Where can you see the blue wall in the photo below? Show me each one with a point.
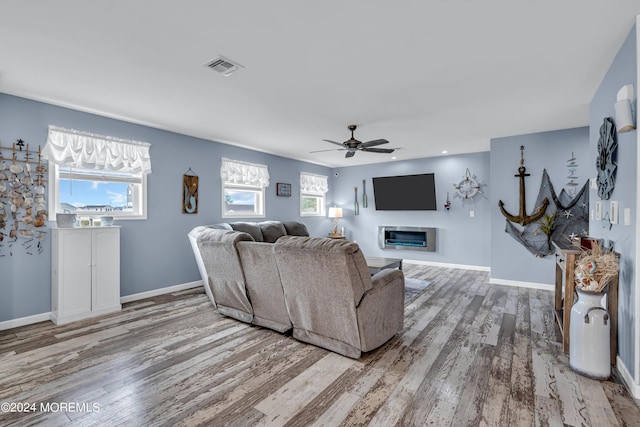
(155, 252)
(461, 239)
(509, 259)
(623, 71)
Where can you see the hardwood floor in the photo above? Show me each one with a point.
(470, 354)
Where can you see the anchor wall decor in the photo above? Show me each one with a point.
(570, 219)
(524, 219)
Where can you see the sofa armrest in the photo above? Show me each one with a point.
(381, 309)
(386, 276)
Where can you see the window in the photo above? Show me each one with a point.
(312, 194)
(242, 200)
(96, 175)
(243, 188)
(91, 192)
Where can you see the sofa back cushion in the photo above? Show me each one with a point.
(252, 228)
(272, 231)
(295, 228)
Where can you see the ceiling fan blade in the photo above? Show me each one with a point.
(332, 149)
(333, 142)
(350, 154)
(374, 142)
(379, 150)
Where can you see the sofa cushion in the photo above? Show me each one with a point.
(295, 228)
(220, 226)
(251, 228)
(272, 231)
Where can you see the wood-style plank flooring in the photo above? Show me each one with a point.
(470, 354)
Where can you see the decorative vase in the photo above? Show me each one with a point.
(364, 194)
(589, 336)
(356, 207)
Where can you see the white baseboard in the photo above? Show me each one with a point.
(446, 265)
(43, 317)
(63, 320)
(519, 284)
(161, 291)
(22, 321)
(634, 388)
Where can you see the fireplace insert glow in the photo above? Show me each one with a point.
(413, 238)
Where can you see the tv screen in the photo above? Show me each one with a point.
(405, 193)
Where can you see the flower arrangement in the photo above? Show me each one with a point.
(595, 269)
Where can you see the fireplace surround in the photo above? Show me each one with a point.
(410, 238)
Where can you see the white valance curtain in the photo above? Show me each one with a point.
(237, 172)
(87, 150)
(310, 183)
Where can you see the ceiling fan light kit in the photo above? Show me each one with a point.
(352, 145)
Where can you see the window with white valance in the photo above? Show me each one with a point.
(310, 183)
(243, 188)
(237, 172)
(312, 194)
(90, 151)
(93, 174)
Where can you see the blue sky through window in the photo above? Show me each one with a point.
(241, 197)
(80, 193)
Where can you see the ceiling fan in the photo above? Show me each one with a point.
(352, 145)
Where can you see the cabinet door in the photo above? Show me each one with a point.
(106, 268)
(74, 272)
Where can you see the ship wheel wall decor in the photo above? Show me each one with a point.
(468, 187)
(522, 218)
(605, 165)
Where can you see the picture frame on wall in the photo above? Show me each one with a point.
(283, 189)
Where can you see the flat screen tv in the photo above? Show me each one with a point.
(405, 193)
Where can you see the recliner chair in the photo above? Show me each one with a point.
(332, 299)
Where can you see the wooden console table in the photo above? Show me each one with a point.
(565, 296)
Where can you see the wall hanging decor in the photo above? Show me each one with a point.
(564, 218)
(23, 211)
(356, 206)
(605, 166)
(190, 192)
(283, 189)
(522, 218)
(468, 188)
(572, 167)
(364, 194)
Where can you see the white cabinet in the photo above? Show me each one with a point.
(85, 272)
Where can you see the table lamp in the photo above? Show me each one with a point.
(335, 213)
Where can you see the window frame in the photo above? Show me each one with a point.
(258, 189)
(321, 203)
(308, 183)
(139, 195)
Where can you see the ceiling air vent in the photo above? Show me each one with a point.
(223, 65)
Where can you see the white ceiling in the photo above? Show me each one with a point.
(427, 76)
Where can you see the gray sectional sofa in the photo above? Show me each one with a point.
(274, 275)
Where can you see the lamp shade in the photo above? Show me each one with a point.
(335, 212)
